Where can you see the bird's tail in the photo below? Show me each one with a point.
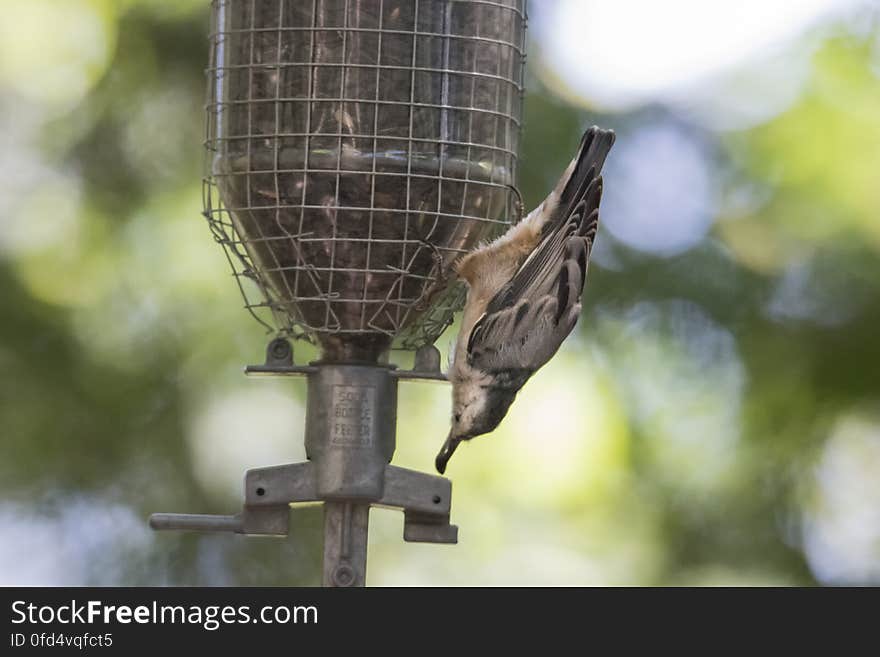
(594, 147)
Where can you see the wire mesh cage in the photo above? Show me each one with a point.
(355, 149)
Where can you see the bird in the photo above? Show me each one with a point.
(524, 296)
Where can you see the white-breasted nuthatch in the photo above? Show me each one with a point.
(524, 293)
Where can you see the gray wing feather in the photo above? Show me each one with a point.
(519, 339)
(529, 318)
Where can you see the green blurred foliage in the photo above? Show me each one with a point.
(715, 418)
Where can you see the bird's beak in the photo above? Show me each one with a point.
(446, 452)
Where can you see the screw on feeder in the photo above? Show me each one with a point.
(343, 575)
(354, 152)
(279, 352)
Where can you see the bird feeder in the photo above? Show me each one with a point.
(355, 149)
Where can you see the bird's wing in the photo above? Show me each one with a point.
(527, 320)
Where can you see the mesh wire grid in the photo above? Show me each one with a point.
(355, 149)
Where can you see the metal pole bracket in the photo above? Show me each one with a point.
(425, 500)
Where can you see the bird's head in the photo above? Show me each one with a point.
(476, 409)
